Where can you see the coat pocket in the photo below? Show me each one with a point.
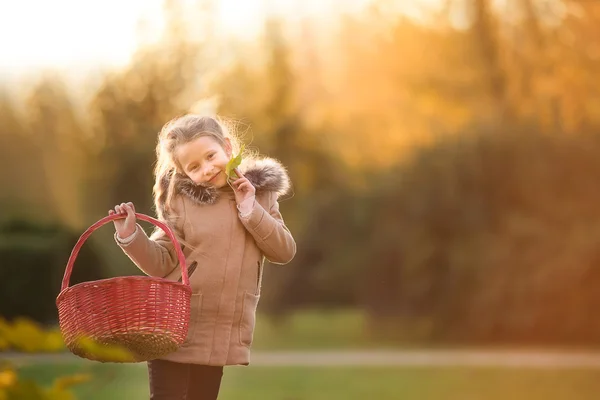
(195, 311)
(248, 319)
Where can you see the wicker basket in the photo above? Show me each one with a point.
(145, 315)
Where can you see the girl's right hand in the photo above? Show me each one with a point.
(125, 226)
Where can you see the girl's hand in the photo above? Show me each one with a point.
(242, 188)
(124, 226)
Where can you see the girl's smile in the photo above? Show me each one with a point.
(211, 180)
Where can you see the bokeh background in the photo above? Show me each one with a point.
(445, 156)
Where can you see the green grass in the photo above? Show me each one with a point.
(319, 329)
(129, 382)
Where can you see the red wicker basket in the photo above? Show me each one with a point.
(147, 316)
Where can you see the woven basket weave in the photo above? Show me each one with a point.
(145, 315)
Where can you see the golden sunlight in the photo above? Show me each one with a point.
(70, 34)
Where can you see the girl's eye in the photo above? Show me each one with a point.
(211, 156)
(193, 167)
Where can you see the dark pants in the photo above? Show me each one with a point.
(176, 381)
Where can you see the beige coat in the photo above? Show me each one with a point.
(229, 251)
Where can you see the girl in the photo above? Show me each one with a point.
(226, 230)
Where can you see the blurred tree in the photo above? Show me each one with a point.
(488, 47)
(489, 240)
(57, 133)
(21, 173)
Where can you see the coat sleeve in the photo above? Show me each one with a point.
(271, 234)
(155, 255)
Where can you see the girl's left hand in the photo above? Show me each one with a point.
(242, 188)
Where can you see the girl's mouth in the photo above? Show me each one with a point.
(211, 180)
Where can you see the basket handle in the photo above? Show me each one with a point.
(105, 220)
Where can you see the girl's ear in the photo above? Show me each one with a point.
(228, 148)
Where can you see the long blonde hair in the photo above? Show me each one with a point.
(167, 171)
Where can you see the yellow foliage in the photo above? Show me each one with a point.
(111, 353)
(26, 335)
(59, 390)
(65, 382)
(7, 378)
(11, 387)
(53, 341)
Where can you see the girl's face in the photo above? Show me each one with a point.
(204, 160)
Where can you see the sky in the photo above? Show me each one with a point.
(61, 32)
(76, 34)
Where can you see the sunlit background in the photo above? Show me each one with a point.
(445, 156)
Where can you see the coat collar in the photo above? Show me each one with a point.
(265, 174)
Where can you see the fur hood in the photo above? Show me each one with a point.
(265, 174)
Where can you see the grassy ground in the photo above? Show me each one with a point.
(318, 329)
(337, 331)
(129, 382)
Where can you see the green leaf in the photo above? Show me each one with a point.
(233, 164)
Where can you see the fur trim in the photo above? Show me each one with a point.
(200, 194)
(265, 174)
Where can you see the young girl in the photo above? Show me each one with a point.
(226, 230)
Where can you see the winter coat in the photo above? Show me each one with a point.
(225, 262)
